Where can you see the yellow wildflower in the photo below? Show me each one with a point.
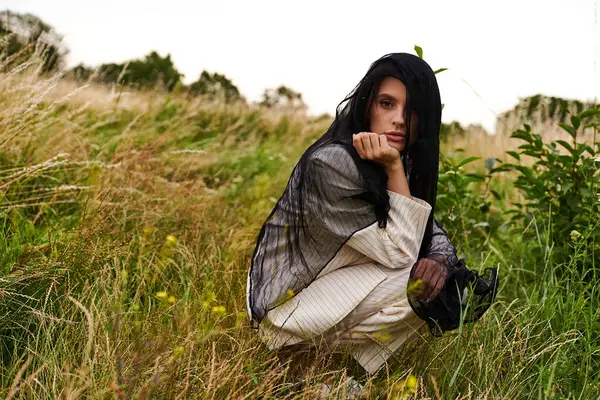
(162, 295)
(405, 386)
(219, 310)
(178, 351)
(411, 383)
(575, 235)
(171, 240)
(415, 288)
(171, 299)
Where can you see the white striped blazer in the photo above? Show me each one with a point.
(352, 274)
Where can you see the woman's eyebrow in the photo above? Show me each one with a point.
(382, 96)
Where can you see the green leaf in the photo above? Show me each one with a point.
(568, 128)
(566, 146)
(539, 143)
(589, 113)
(525, 171)
(564, 159)
(451, 187)
(519, 134)
(575, 121)
(588, 149)
(473, 178)
(496, 195)
(419, 51)
(437, 71)
(531, 153)
(467, 160)
(502, 168)
(527, 147)
(567, 186)
(514, 154)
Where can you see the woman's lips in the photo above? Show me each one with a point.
(395, 136)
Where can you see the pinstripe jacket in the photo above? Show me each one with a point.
(395, 246)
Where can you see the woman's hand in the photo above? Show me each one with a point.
(374, 147)
(433, 276)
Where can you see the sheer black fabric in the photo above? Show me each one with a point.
(466, 294)
(332, 193)
(465, 297)
(440, 248)
(289, 259)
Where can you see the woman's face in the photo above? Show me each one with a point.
(386, 113)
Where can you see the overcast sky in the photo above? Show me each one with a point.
(496, 51)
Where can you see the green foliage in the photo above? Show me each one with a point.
(215, 86)
(561, 185)
(126, 278)
(540, 108)
(419, 51)
(464, 201)
(24, 37)
(282, 96)
(450, 130)
(150, 72)
(80, 73)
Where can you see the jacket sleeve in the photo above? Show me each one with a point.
(334, 204)
(397, 245)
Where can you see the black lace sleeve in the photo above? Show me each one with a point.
(466, 294)
(441, 249)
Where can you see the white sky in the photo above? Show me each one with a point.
(503, 49)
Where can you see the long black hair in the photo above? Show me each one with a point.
(308, 226)
(421, 159)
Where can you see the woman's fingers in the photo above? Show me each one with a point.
(428, 276)
(433, 277)
(438, 286)
(419, 270)
(374, 139)
(369, 144)
(373, 146)
(356, 141)
(366, 144)
(383, 144)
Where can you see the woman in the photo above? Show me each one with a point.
(350, 255)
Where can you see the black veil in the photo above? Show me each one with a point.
(332, 193)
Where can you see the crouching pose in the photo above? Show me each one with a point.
(351, 257)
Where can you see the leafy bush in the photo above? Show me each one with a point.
(464, 201)
(560, 190)
(25, 37)
(215, 86)
(151, 71)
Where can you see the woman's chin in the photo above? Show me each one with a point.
(397, 146)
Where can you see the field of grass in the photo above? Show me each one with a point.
(128, 222)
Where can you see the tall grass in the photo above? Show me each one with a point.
(128, 222)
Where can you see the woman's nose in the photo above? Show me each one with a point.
(398, 118)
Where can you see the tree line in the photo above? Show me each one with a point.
(26, 38)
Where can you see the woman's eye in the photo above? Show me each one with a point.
(386, 104)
